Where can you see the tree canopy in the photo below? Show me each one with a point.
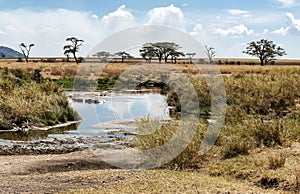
(191, 55)
(26, 50)
(161, 50)
(210, 53)
(102, 55)
(123, 55)
(73, 47)
(265, 50)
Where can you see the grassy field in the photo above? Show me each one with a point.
(258, 149)
(60, 69)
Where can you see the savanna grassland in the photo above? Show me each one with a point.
(257, 150)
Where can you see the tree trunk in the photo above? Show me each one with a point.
(262, 62)
(75, 58)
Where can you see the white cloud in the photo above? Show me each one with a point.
(292, 28)
(168, 16)
(265, 31)
(48, 29)
(282, 31)
(237, 12)
(286, 3)
(295, 23)
(198, 28)
(239, 30)
(119, 19)
(95, 16)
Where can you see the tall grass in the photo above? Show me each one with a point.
(25, 102)
(261, 113)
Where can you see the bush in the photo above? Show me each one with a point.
(19, 60)
(33, 103)
(80, 59)
(51, 60)
(276, 161)
(153, 137)
(235, 146)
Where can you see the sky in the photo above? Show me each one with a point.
(226, 25)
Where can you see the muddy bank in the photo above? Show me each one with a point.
(60, 146)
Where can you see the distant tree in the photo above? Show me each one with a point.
(210, 53)
(148, 52)
(73, 48)
(175, 54)
(102, 55)
(26, 50)
(265, 50)
(191, 55)
(162, 50)
(68, 56)
(123, 55)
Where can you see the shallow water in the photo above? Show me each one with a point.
(110, 112)
(120, 108)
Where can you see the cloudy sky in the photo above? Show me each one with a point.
(227, 25)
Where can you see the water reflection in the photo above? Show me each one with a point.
(110, 111)
(118, 110)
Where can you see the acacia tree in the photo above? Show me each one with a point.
(265, 50)
(123, 55)
(162, 50)
(26, 50)
(148, 52)
(102, 55)
(175, 54)
(73, 48)
(210, 53)
(191, 55)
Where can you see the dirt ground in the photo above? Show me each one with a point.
(83, 172)
(47, 173)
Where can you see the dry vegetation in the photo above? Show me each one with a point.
(26, 100)
(257, 151)
(58, 68)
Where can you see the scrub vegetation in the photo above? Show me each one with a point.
(257, 150)
(27, 100)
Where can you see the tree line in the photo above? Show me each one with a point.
(264, 49)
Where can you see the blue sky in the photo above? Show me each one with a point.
(227, 25)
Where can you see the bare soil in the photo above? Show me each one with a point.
(84, 172)
(45, 173)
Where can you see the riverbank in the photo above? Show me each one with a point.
(62, 145)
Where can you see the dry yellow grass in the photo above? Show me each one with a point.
(93, 69)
